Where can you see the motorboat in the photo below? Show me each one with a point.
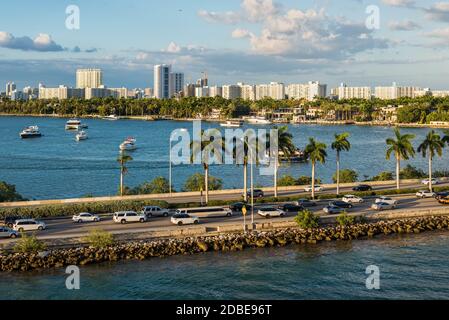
(231, 124)
(81, 135)
(75, 124)
(258, 120)
(128, 145)
(30, 132)
(111, 117)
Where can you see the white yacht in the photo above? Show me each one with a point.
(111, 117)
(30, 132)
(75, 124)
(81, 135)
(231, 124)
(128, 145)
(258, 120)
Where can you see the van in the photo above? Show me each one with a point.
(206, 212)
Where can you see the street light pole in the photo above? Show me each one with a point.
(252, 188)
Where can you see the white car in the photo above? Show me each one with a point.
(426, 181)
(28, 225)
(317, 189)
(129, 216)
(153, 211)
(184, 218)
(387, 200)
(269, 212)
(85, 217)
(425, 194)
(352, 199)
(380, 206)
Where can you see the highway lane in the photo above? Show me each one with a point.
(66, 228)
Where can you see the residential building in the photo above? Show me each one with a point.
(215, 91)
(189, 90)
(308, 91)
(232, 91)
(89, 78)
(248, 92)
(162, 83)
(119, 92)
(262, 91)
(177, 82)
(344, 92)
(201, 92)
(62, 92)
(10, 88)
(276, 91)
(395, 92)
(102, 92)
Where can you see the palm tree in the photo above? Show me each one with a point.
(123, 159)
(445, 138)
(340, 144)
(402, 148)
(286, 147)
(432, 145)
(316, 152)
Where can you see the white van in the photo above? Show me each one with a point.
(206, 212)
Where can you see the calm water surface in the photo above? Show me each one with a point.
(411, 267)
(56, 166)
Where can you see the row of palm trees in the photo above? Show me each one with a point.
(400, 146)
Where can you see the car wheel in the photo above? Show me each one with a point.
(21, 230)
(123, 221)
(180, 223)
(10, 225)
(40, 228)
(196, 222)
(96, 220)
(13, 236)
(165, 214)
(260, 195)
(282, 215)
(80, 221)
(142, 220)
(267, 216)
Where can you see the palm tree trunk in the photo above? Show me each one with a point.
(275, 176)
(206, 182)
(338, 173)
(398, 172)
(121, 181)
(430, 173)
(313, 180)
(245, 181)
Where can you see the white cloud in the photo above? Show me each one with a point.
(406, 25)
(441, 36)
(438, 11)
(399, 3)
(241, 33)
(42, 42)
(173, 47)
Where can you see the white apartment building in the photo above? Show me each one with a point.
(89, 78)
(344, 92)
(119, 92)
(248, 92)
(102, 92)
(395, 92)
(162, 84)
(201, 92)
(306, 91)
(232, 91)
(440, 93)
(215, 91)
(262, 91)
(276, 91)
(61, 93)
(10, 88)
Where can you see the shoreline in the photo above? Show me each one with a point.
(308, 122)
(146, 249)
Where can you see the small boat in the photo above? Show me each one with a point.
(232, 124)
(75, 124)
(30, 132)
(81, 135)
(128, 145)
(111, 117)
(258, 120)
(297, 156)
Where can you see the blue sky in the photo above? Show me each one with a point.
(253, 41)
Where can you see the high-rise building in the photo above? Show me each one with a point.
(62, 92)
(215, 91)
(89, 78)
(308, 91)
(248, 92)
(201, 92)
(162, 83)
(10, 88)
(262, 91)
(344, 92)
(189, 90)
(232, 91)
(276, 91)
(316, 90)
(177, 82)
(395, 92)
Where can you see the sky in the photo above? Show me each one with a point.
(359, 42)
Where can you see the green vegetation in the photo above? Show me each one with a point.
(305, 181)
(345, 220)
(196, 183)
(340, 144)
(287, 181)
(29, 244)
(383, 176)
(122, 160)
(346, 176)
(316, 152)
(432, 146)
(8, 193)
(286, 147)
(411, 172)
(99, 239)
(402, 148)
(158, 185)
(307, 220)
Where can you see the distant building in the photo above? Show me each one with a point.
(232, 91)
(119, 92)
(177, 82)
(276, 91)
(248, 92)
(262, 91)
(148, 93)
(62, 92)
(102, 92)
(215, 91)
(308, 91)
(189, 90)
(344, 92)
(10, 88)
(162, 83)
(201, 92)
(395, 92)
(440, 93)
(89, 78)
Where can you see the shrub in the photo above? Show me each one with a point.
(307, 220)
(29, 244)
(8, 193)
(383, 176)
(410, 172)
(305, 181)
(345, 220)
(158, 185)
(99, 239)
(196, 183)
(440, 173)
(346, 176)
(287, 181)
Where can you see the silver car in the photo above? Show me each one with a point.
(6, 232)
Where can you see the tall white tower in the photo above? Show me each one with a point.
(162, 83)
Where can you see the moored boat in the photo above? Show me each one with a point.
(232, 124)
(128, 145)
(81, 135)
(258, 120)
(30, 132)
(75, 124)
(111, 117)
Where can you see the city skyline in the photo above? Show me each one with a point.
(252, 41)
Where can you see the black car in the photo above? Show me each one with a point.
(237, 207)
(10, 220)
(289, 207)
(340, 204)
(362, 187)
(257, 193)
(306, 203)
(441, 195)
